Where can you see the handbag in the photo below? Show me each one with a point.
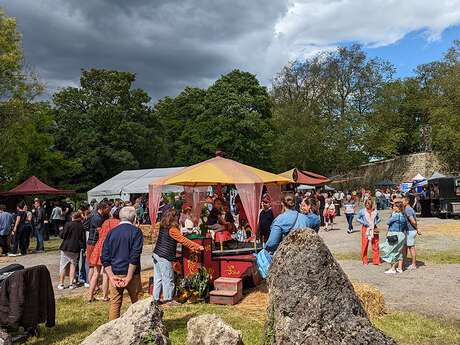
(393, 239)
(264, 258)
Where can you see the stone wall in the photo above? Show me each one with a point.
(397, 169)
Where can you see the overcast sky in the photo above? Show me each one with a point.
(172, 44)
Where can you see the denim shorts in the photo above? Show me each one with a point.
(410, 238)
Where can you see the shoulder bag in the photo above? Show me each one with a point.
(264, 258)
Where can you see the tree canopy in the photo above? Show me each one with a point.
(328, 113)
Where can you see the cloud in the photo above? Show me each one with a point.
(177, 43)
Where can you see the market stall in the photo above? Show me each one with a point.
(249, 181)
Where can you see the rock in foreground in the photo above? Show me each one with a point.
(141, 319)
(208, 329)
(311, 299)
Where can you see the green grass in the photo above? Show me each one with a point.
(424, 255)
(52, 245)
(410, 328)
(75, 319)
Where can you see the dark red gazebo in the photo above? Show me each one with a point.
(33, 186)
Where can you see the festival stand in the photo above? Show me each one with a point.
(222, 263)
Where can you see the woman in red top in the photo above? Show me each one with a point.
(95, 258)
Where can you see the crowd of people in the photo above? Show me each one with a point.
(103, 239)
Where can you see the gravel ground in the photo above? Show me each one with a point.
(432, 289)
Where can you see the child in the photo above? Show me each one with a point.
(329, 213)
(225, 235)
(74, 240)
(216, 223)
(187, 225)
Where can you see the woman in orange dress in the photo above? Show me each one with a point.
(95, 258)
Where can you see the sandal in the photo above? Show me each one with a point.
(92, 300)
(103, 299)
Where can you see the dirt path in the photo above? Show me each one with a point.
(432, 289)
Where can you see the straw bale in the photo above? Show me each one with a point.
(147, 232)
(371, 299)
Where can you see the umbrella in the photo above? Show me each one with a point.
(248, 180)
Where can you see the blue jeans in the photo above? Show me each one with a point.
(38, 228)
(350, 217)
(81, 274)
(163, 278)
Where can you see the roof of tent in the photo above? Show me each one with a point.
(33, 186)
(132, 182)
(417, 177)
(305, 186)
(305, 177)
(436, 175)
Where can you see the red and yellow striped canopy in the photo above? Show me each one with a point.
(223, 171)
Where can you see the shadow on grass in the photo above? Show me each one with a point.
(60, 332)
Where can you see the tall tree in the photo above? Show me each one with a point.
(330, 96)
(237, 119)
(18, 86)
(106, 124)
(441, 86)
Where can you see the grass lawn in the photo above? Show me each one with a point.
(52, 245)
(433, 256)
(76, 319)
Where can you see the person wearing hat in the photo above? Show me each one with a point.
(266, 218)
(186, 222)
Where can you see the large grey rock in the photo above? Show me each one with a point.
(208, 329)
(141, 318)
(311, 299)
(5, 339)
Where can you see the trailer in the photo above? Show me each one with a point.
(443, 197)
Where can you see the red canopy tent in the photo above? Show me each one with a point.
(33, 186)
(305, 177)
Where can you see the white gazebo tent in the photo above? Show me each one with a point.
(129, 182)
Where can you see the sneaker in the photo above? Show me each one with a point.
(12, 254)
(411, 267)
(349, 231)
(38, 251)
(72, 286)
(399, 270)
(61, 287)
(390, 271)
(87, 285)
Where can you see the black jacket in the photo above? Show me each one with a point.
(27, 299)
(38, 216)
(73, 236)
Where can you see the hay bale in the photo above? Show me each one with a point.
(147, 233)
(371, 299)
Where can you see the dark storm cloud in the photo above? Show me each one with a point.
(169, 45)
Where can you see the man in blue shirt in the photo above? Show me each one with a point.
(411, 232)
(121, 258)
(6, 220)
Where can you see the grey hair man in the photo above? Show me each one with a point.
(121, 257)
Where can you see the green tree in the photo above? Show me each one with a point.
(18, 86)
(322, 105)
(441, 87)
(106, 124)
(237, 119)
(174, 115)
